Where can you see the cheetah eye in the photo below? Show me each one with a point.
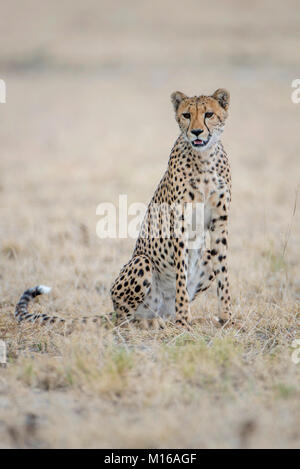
(209, 114)
(186, 115)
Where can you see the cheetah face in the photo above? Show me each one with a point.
(201, 119)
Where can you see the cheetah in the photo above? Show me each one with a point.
(166, 273)
(171, 263)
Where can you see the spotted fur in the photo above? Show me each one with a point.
(164, 275)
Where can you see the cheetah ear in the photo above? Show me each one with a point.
(223, 97)
(176, 99)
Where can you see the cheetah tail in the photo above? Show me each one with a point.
(22, 313)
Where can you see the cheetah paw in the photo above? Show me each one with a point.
(180, 323)
(225, 324)
(153, 323)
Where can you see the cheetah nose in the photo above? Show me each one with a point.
(196, 132)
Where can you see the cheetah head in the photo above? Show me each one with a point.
(201, 119)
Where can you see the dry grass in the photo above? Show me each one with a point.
(88, 118)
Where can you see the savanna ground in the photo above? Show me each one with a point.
(88, 117)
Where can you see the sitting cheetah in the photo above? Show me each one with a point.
(171, 264)
(165, 274)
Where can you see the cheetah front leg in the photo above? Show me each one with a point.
(182, 300)
(206, 276)
(219, 244)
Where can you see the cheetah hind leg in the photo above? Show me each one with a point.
(130, 292)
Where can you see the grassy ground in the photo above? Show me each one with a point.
(88, 117)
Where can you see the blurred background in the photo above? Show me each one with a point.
(88, 117)
(88, 112)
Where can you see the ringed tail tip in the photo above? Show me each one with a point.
(43, 289)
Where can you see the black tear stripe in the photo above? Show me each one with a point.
(207, 128)
(205, 109)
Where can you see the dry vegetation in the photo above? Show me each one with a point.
(88, 118)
